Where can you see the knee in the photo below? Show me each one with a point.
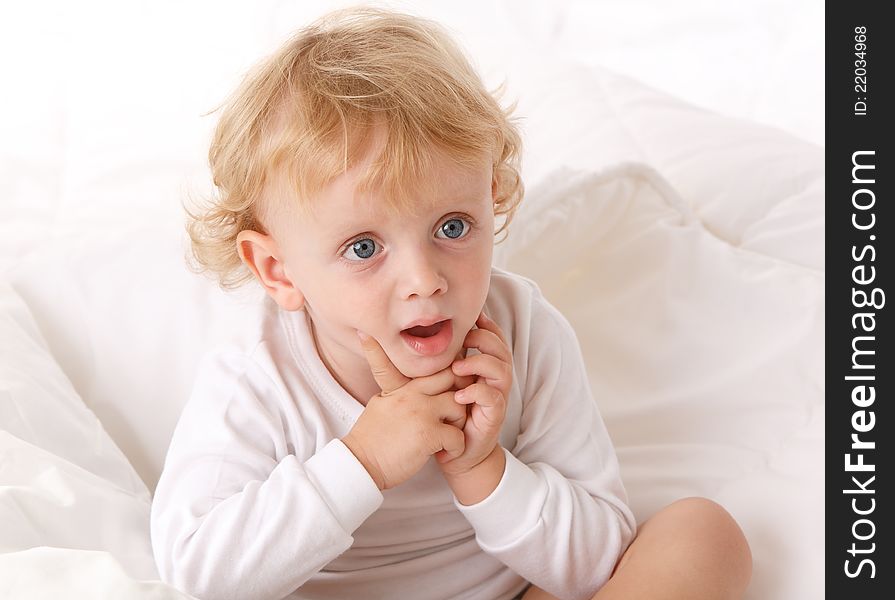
(714, 542)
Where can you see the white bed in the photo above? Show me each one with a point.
(675, 214)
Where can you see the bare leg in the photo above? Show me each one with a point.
(690, 550)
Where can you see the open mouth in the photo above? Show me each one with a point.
(429, 340)
(425, 331)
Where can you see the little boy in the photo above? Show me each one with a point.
(410, 421)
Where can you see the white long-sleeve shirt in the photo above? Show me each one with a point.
(259, 498)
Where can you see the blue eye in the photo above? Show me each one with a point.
(454, 228)
(363, 249)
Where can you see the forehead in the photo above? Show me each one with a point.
(350, 214)
(446, 185)
(374, 186)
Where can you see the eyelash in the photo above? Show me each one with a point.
(469, 221)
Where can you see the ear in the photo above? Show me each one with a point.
(260, 254)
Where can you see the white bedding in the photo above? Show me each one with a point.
(685, 246)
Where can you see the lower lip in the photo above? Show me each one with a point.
(430, 346)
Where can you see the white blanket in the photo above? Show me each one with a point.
(706, 360)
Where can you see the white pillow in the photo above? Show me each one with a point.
(129, 325)
(52, 573)
(706, 360)
(755, 186)
(63, 482)
(40, 408)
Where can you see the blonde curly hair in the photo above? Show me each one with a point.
(308, 110)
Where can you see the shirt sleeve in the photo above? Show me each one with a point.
(235, 513)
(559, 516)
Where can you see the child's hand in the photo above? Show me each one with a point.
(493, 369)
(407, 422)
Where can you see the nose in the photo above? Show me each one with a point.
(421, 275)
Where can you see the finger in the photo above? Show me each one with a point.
(495, 371)
(441, 381)
(442, 457)
(490, 406)
(452, 440)
(482, 394)
(448, 410)
(485, 322)
(461, 381)
(487, 342)
(386, 374)
(459, 422)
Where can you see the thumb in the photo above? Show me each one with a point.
(386, 374)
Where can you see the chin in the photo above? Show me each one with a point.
(413, 365)
(425, 366)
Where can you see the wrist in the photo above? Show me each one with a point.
(358, 451)
(479, 482)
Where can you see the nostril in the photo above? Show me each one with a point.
(428, 291)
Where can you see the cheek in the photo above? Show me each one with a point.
(480, 269)
(357, 306)
(335, 299)
(474, 279)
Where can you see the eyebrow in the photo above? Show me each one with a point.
(343, 230)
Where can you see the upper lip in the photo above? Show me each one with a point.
(424, 321)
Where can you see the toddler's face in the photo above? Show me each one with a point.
(359, 268)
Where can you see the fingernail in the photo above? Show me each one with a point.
(363, 336)
(459, 394)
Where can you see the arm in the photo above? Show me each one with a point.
(558, 515)
(235, 515)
